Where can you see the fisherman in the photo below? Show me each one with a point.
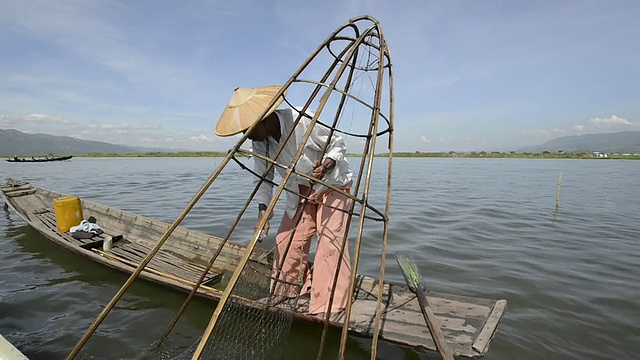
(325, 216)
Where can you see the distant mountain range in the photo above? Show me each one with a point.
(16, 142)
(620, 142)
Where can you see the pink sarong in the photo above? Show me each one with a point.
(323, 217)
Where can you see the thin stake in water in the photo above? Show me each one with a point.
(558, 197)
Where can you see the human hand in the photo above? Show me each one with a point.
(320, 169)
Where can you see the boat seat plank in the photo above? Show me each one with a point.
(19, 193)
(7, 189)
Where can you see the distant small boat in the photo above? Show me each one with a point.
(41, 159)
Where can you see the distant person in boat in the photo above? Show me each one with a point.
(325, 215)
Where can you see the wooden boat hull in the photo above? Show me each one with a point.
(61, 158)
(9, 352)
(468, 324)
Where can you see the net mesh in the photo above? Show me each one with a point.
(250, 330)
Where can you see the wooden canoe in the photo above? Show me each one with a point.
(468, 324)
(40, 159)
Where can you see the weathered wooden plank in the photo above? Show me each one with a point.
(7, 189)
(144, 231)
(15, 194)
(51, 223)
(133, 265)
(163, 260)
(440, 305)
(488, 330)
(188, 271)
(136, 257)
(162, 254)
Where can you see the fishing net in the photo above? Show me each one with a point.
(245, 329)
(247, 332)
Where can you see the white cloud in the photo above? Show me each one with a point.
(123, 128)
(10, 120)
(200, 138)
(424, 139)
(613, 121)
(599, 124)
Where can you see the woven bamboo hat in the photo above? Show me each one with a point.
(244, 108)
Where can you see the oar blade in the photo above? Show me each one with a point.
(414, 280)
(410, 272)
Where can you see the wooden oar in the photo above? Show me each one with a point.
(414, 280)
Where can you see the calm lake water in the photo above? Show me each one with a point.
(476, 227)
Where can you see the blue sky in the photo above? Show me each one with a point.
(468, 75)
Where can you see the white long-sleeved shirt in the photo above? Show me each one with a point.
(340, 175)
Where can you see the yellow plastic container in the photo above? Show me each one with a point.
(68, 212)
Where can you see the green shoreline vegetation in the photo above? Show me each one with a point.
(416, 154)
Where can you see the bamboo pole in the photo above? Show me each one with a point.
(377, 323)
(558, 192)
(92, 328)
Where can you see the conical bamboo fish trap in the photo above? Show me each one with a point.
(354, 98)
(348, 82)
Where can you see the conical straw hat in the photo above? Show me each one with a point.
(244, 108)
